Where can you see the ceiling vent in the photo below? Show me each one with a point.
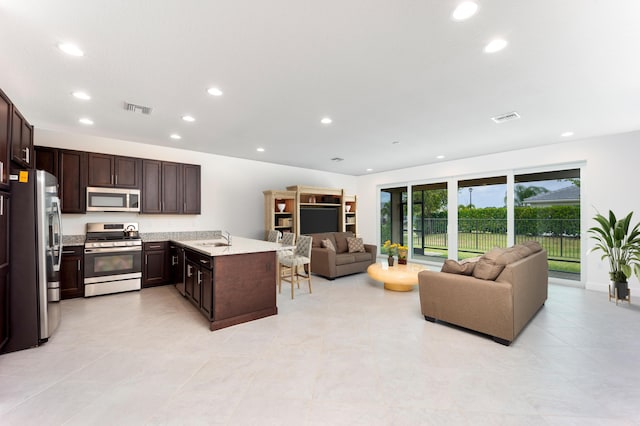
(137, 108)
(510, 116)
(337, 159)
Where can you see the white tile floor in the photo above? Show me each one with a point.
(349, 354)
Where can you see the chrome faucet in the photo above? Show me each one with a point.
(227, 237)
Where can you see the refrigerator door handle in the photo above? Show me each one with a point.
(58, 238)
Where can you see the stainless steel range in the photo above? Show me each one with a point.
(112, 258)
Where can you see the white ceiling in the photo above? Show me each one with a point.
(384, 71)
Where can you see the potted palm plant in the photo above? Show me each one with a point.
(620, 245)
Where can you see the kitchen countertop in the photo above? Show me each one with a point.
(238, 245)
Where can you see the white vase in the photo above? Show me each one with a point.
(348, 207)
(281, 207)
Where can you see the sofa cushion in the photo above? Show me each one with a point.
(534, 246)
(326, 243)
(464, 267)
(362, 257)
(355, 245)
(523, 250)
(490, 264)
(341, 241)
(345, 258)
(317, 239)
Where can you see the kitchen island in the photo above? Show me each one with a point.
(231, 284)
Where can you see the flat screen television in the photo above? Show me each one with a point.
(319, 219)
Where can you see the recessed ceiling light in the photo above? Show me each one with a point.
(214, 91)
(260, 149)
(566, 134)
(188, 118)
(440, 157)
(175, 136)
(369, 170)
(326, 120)
(86, 121)
(81, 95)
(495, 45)
(465, 10)
(70, 49)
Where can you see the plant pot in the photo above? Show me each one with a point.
(390, 260)
(621, 289)
(402, 257)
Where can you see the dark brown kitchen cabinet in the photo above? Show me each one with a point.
(156, 270)
(191, 188)
(199, 281)
(113, 171)
(176, 266)
(72, 180)
(4, 268)
(5, 137)
(72, 272)
(47, 159)
(161, 187)
(21, 140)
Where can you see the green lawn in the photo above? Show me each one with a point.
(564, 253)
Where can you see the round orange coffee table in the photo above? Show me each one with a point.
(396, 277)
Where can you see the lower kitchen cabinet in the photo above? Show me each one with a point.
(199, 282)
(155, 270)
(4, 268)
(176, 266)
(72, 272)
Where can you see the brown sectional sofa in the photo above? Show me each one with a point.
(331, 264)
(500, 307)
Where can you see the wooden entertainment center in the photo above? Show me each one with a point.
(307, 209)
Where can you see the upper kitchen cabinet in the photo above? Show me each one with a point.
(5, 135)
(47, 159)
(114, 171)
(72, 180)
(170, 188)
(21, 140)
(191, 185)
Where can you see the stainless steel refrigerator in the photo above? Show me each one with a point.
(36, 252)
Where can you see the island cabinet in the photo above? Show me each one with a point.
(72, 272)
(230, 289)
(114, 171)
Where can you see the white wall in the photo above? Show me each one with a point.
(231, 188)
(609, 181)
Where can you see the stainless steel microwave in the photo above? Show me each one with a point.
(113, 199)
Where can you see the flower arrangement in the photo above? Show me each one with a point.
(390, 248)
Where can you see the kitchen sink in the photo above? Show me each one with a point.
(212, 244)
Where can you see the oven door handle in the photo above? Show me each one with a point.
(111, 249)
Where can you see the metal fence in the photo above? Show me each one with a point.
(558, 236)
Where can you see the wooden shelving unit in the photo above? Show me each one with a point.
(299, 197)
(283, 221)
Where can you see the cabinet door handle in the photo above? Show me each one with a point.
(199, 277)
(189, 271)
(146, 259)
(174, 260)
(1, 171)
(26, 154)
(68, 252)
(204, 261)
(154, 247)
(1, 206)
(116, 179)
(78, 261)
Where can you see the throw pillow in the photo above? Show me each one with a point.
(461, 268)
(326, 243)
(487, 269)
(355, 245)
